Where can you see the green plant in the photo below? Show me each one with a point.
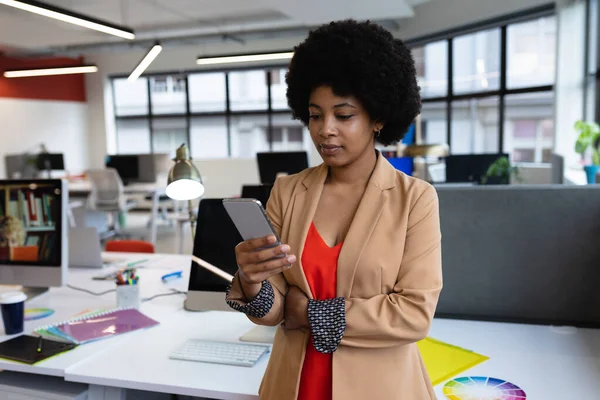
(502, 169)
(589, 136)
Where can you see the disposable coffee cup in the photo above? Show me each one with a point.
(13, 311)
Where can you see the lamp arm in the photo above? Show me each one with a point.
(212, 268)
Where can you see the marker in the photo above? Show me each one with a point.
(171, 276)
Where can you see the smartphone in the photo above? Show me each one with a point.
(250, 219)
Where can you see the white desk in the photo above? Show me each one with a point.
(153, 189)
(144, 363)
(67, 302)
(546, 363)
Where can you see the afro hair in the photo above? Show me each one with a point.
(363, 60)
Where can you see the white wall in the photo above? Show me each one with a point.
(60, 125)
(439, 15)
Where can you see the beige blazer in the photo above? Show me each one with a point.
(389, 271)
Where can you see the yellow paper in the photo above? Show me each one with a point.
(444, 361)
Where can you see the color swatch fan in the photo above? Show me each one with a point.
(482, 388)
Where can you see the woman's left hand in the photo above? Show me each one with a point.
(296, 309)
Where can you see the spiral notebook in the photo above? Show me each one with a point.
(97, 325)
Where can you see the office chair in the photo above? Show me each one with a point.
(130, 246)
(107, 194)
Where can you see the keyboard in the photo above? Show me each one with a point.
(240, 354)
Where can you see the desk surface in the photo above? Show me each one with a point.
(546, 362)
(83, 186)
(135, 364)
(67, 302)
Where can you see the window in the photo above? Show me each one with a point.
(208, 137)
(526, 130)
(529, 127)
(476, 62)
(278, 89)
(207, 92)
(248, 90)
(168, 134)
(167, 94)
(475, 126)
(433, 124)
(531, 53)
(249, 135)
(431, 62)
(133, 136)
(131, 98)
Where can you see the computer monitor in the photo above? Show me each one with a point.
(215, 241)
(33, 233)
(469, 167)
(274, 163)
(50, 162)
(127, 165)
(258, 192)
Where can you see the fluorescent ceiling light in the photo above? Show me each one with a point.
(61, 14)
(245, 58)
(51, 71)
(146, 61)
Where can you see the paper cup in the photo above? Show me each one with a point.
(13, 311)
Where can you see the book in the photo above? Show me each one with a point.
(97, 325)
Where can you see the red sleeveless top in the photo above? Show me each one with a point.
(319, 262)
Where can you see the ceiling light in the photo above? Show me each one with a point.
(86, 69)
(61, 14)
(244, 58)
(146, 61)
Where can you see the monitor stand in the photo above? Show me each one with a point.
(34, 292)
(30, 292)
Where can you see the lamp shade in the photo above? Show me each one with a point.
(184, 182)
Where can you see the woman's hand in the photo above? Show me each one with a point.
(255, 265)
(296, 309)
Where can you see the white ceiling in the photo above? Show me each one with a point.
(160, 19)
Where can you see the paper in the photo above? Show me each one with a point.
(444, 361)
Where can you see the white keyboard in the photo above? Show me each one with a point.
(241, 354)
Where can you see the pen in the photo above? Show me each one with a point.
(131, 264)
(39, 344)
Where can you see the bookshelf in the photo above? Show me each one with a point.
(35, 207)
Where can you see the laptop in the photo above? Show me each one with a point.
(85, 250)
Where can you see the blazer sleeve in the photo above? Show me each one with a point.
(267, 308)
(405, 315)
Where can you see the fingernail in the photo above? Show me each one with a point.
(271, 239)
(285, 248)
(288, 266)
(291, 259)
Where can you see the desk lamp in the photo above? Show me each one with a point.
(185, 183)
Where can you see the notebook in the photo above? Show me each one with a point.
(97, 325)
(443, 360)
(25, 348)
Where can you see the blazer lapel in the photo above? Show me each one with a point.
(368, 213)
(303, 212)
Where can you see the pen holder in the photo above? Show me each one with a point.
(128, 296)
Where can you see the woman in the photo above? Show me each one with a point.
(362, 273)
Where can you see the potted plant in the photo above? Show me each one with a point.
(589, 137)
(500, 171)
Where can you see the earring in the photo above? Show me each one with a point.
(378, 133)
